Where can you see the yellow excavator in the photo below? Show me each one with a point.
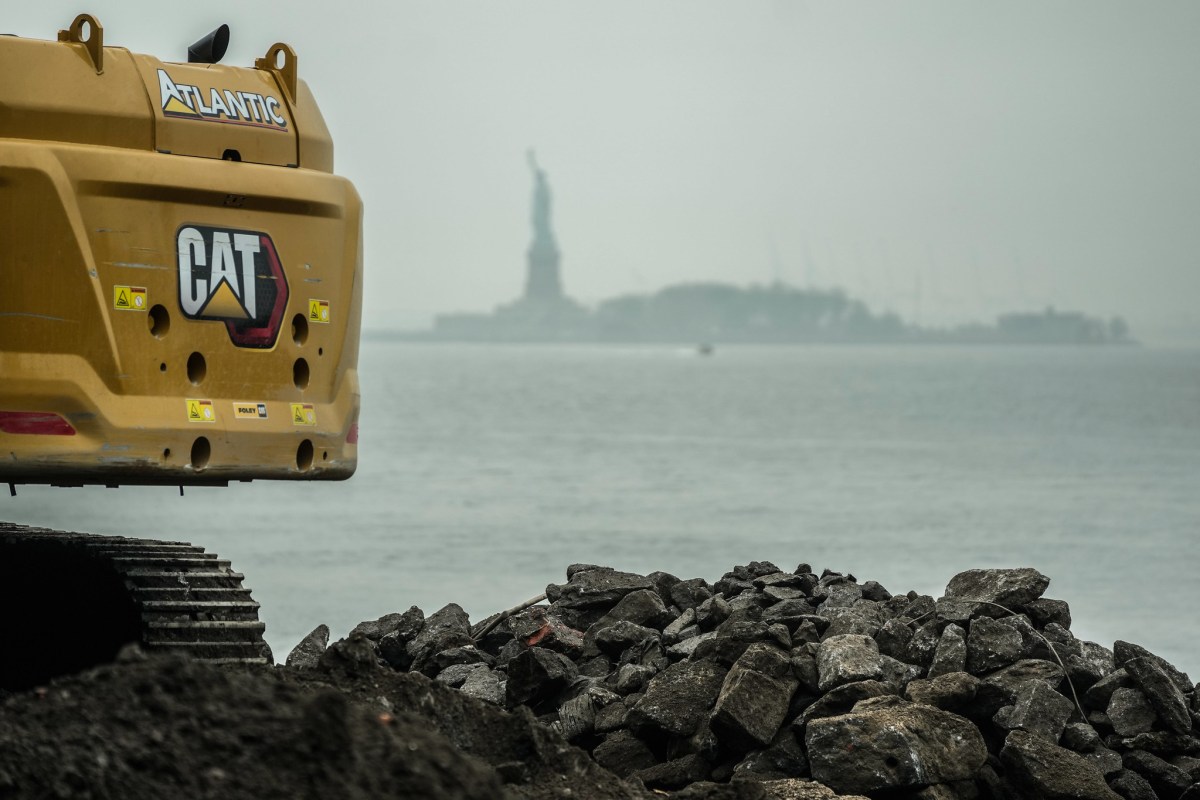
(180, 305)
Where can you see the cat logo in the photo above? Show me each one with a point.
(223, 105)
(234, 277)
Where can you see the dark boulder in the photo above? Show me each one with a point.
(1041, 769)
(894, 746)
(678, 699)
(1162, 692)
(307, 654)
(990, 592)
(537, 676)
(846, 659)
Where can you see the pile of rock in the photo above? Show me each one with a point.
(812, 684)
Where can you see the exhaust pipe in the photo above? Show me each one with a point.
(211, 48)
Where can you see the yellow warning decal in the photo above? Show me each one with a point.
(129, 298)
(304, 414)
(250, 409)
(318, 311)
(201, 411)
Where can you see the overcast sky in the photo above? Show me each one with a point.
(947, 160)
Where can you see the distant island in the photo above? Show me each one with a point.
(708, 313)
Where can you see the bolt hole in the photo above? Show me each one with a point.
(167, 452)
(300, 373)
(324, 455)
(320, 351)
(201, 453)
(162, 367)
(160, 321)
(196, 368)
(299, 329)
(304, 456)
(231, 155)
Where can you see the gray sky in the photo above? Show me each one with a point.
(998, 156)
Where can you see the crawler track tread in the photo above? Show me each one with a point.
(188, 600)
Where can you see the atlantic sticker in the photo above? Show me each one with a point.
(304, 414)
(234, 277)
(250, 410)
(129, 298)
(185, 101)
(200, 411)
(318, 311)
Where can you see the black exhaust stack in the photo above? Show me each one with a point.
(211, 48)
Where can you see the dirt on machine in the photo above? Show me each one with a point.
(180, 305)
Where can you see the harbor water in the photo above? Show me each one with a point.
(485, 470)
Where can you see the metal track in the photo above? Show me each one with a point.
(187, 600)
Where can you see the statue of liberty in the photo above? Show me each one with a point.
(543, 282)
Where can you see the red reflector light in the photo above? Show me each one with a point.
(352, 436)
(40, 422)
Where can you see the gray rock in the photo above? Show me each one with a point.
(840, 701)
(1130, 713)
(537, 676)
(949, 692)
(896, 674)
(633, 677)
(674, 774)
(486, 685)
(393, 645)
(789, 612)
(1093, 663)
(446, 628)
(1108, 762)
(923, 645)
(673, 632)
(619, 636)
(307, 654)
(951, 653)
(1132, 786)
(456, 675)
(865, 618)
(1162, 692)
(712, 612)
(754, 699)
(1124, 652)
(892, 747)
(801, 789)
(1001, 687)
(992, 645)
(1080, 737)
(1042, 769)
(678, 699)
(783, 758)
(641, 607)
(1012, 589)
(465, 654)
(1038, 710)
(687, 647)
(893, 638)
(1167, 780)
(686, 595)
(872, 590)
(590, 593)
(845, 659)
(1100, 693)
(1045, 611)
(623, 754)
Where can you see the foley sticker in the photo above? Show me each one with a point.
(249, 410)
(200, 411)
(318, 311)
(304, 414)
(129, 298)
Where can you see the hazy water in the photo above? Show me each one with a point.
(485, 471)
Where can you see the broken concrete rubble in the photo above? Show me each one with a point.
(793, 684)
